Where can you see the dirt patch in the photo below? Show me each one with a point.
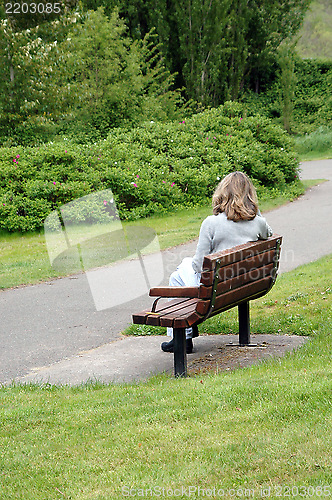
(222, 353)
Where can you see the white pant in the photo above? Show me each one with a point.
(184, 276)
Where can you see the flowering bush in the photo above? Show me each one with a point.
(150, 169)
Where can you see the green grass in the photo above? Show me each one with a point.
(267, 426)
(313, 155)
(315, 146)
(24, 259)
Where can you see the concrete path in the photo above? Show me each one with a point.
(306, 224)
(52, 331)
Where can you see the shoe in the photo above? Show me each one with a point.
(169, 346)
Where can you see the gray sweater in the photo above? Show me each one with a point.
(218, 233)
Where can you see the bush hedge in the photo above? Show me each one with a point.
(150, 169)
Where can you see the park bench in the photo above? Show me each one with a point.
(230, 278)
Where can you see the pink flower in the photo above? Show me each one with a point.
(137, 176)
(226, 134)
(135, 185)
(17, 156)
(164, 182)
(14, 160)
(105, 203)
(173, 184)
(54, 182)
(65, 151)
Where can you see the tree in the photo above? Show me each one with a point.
(217, 47)
(105, 80)
(287, 78)
(28, 93)
(201, 45)
(270, 22)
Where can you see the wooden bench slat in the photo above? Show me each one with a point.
(139, 318)
(175, 291)
(193, 319)
(231, 270)
(240, 252)
(186, 313)
(230, 284)
(240, 267)
(235, 296)
(176, 310)
(176, 305)
(185, 319)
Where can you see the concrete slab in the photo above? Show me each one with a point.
(131, 359)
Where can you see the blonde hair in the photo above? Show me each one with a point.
(236, 196)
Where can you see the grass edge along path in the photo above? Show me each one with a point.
(266, 428)
(24, 259)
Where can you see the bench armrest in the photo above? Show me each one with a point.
(175, 291)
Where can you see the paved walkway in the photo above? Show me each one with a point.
(52, 332)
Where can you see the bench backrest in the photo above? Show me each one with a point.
(242, 273)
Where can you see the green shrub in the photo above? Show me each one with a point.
(150, 169)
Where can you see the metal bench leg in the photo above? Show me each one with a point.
(244, 323)
(180, 353)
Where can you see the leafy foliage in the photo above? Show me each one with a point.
(313, 95)
(83, 74)
(150, 169)
(312, 101)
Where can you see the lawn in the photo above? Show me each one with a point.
(260, 431)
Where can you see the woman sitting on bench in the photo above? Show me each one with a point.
(236, 220)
